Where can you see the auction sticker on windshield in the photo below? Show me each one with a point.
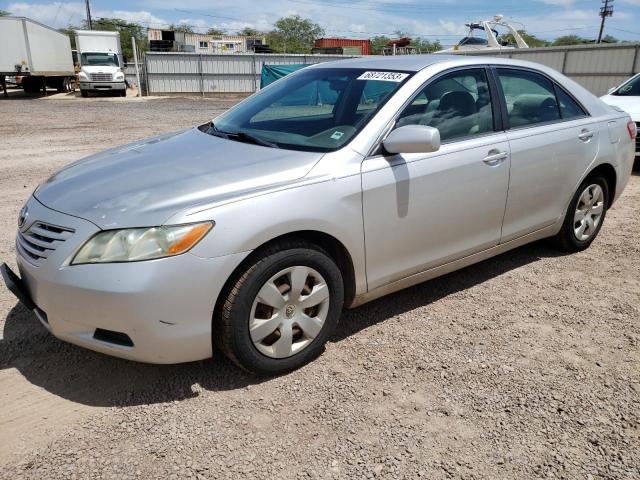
(384, 76)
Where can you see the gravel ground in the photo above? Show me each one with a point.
(526, 365)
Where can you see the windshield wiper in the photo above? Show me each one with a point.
(248, 138)
(240, 136)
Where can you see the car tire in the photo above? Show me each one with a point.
(123, 93)
(242, 308)
(84, 93)
(569, 238)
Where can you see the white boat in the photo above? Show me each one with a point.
(491, 40)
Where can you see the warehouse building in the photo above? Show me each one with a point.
(172, 41)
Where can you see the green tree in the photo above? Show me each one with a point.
(426, 46)
(379, 43)
(294, 34)
(126, 30)
(609, 39)
(530, 38)
(216, 32)
(181, 28)
(569, 40)
(4, 13)
(249, 32)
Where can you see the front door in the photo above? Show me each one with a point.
(424, 210)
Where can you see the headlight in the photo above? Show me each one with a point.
(135, 244)
(119, 76)
(83, 76)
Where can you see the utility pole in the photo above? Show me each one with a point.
(605, 11)
(88, 14)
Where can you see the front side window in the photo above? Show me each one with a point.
(314, 109)
(458, 105)
(530, 97)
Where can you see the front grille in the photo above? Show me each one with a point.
(101, 77)
(40, 240)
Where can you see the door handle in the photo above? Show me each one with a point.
(585, 135)
(495, 158)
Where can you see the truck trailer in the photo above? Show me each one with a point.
(40, 55)
(101, 62)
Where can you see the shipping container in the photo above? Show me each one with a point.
(37, 53)
(365, 45)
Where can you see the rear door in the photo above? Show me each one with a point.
(552, 141)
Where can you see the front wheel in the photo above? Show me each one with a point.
(585, 215)
(280, 311)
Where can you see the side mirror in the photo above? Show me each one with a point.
(413, 139)
(611, 90)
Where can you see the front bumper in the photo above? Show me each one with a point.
(164, 307)
(102, 86)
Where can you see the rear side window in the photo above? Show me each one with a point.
(457, 104)
(530, 98)
(569, 108)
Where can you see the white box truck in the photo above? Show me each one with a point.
(39, 55)
(101, 62)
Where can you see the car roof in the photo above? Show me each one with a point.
(415, 63)
(410, 63)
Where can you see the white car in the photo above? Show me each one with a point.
(627, 97)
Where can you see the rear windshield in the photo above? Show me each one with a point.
(314, 109)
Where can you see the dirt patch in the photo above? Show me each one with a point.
(526, 365)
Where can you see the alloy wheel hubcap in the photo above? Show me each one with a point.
(289, 312)
(589, 212)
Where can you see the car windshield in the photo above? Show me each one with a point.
(315, 109)
(100, 59)
(630, 89)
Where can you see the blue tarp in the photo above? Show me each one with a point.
(271, 73)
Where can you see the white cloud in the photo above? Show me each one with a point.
(143, 17)
(62, 14)
(561, 3)
(358, 19)
(56, 14)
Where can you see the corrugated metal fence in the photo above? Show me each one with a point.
(596, 67)
(130, 73)
(164, 73)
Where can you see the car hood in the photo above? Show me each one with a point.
(629, 104)
(144, 183)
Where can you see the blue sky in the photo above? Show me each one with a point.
(433, 19)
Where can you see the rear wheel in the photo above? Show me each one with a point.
(280, 311)
(585, 215)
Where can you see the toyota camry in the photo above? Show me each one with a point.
(334, 186)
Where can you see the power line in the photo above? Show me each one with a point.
(605, 11)
(88, 15)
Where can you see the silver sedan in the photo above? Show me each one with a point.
(339, 184)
